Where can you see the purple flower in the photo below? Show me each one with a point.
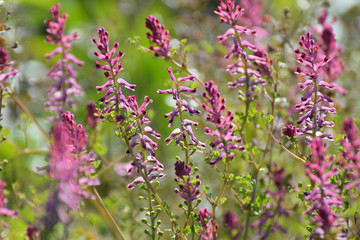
(224, 133)
(330, 48)
(231, 220)
(113, 97)
(315, 105)
(207, 225)
(180, 107)
(32, 233)
(6, 69)
(70, 165)
(91, 119)
(132, 119)
(251, 62)
(253, 16)
(324, 196)
(159, 35)
(3, 201)
(65, 87)
(351, 161)
(289, 130)
(188, 188)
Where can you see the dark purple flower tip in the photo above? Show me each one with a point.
(231, 220)
(289, 130)
(182, 169)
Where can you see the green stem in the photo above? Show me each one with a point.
(253, 195)
(185, 68)
(28, 113)
(147, 183)
(222, 190)
(108, 215)
(283, 147)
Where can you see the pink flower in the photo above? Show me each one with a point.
(207, 225)
(180, 107)
(324, 196)
(70, 165)
(3, 201)
(224, 133)
(187, 188)
(159, 35)
(315, 105)
(65, 87)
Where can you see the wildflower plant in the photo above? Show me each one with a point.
(315, 104)
(61, 93)
(216, 164)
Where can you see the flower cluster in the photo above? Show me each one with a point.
(277, 176)
(91, 119)
(206, 221)
(351, 145)
(324, 195)
(289, 130)
(180, 107)
(113, 97)
(70, 165)
(330, 48)
(160, 36)
(232, 222)
(6, 69)
(315, 105)
(224, 133)
(252, 17)
(138, 136)
(251, 67)
(188, 188)
(65, 87)
(3, 201)
(132, 118)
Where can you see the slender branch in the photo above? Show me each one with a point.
(108, 215)
(22, 106)
(283, 147)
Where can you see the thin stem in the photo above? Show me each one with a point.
(253, 195)
(28, 113)
(283, 147)
(147, 183)
(247, 78)
(185, 68)
(108, 215)
(214, 205)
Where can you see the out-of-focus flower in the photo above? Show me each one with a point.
(324, 196)
(315, 105)
(3, 201)
(232, 222)
(224, 133)
(330, 48)
(188, 188)
(32, 233)
(289, 130)
(252, 66)
(159, 35)
(6, 68)
(70, 165)
(351, 161)
(271, 210)
(91, 119)
(63, 73)
(207, 225)
(180, 107)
